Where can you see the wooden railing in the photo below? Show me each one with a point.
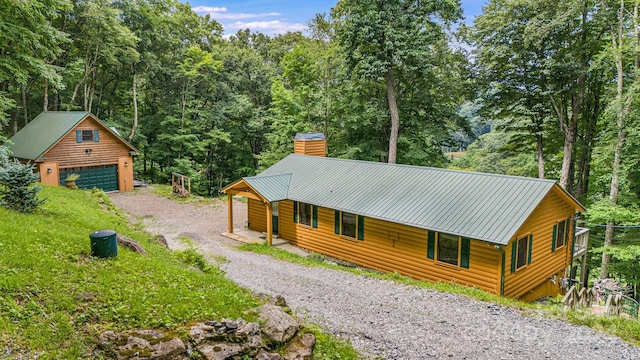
(581, 242)
(181, 184)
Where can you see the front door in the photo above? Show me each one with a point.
(274, 216)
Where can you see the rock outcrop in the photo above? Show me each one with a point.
(143, 344)
(279, 327)
(217, 340)
(226, 339)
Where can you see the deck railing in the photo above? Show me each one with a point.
(581, 242)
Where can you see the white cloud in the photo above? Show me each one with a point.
(270, 27)
(221, 13)
(209, 9)
(239, 16)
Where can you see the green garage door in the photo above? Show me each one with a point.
(104, 177)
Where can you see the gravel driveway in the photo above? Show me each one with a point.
(383, 319)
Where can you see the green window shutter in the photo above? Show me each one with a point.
(96, 135)
(337, 222)
(567, 223)
(514, 254)
(431, 244)
(78, 136)
(530, 248)
(553, 240)
(360, 227)
(295, 211)
(314, 220)
(465, 251)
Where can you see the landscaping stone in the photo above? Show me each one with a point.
(301, 348)
(220, 351)
(279, 327)
(226, 339)
(143, 344)
(265, 355)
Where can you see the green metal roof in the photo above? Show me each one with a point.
(481, 206)
(35, 139)
(273, 188)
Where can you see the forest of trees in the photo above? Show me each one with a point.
(393, 81)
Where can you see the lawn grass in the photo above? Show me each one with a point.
(627, 329)
(55, 299)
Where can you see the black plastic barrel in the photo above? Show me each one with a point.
(104, 244)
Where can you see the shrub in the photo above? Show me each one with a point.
(16, 184)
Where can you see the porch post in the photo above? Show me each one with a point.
(230, 212)
(269, 223)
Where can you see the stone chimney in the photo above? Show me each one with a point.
(313, 144)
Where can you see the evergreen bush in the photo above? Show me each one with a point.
(16, 184)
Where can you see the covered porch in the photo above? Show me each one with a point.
(267, 190)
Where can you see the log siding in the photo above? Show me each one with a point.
(545, 263)
(386, 247)
(70, 153)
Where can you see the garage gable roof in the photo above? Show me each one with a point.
(481, 206)
(43, 132)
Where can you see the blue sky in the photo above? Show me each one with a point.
(279, 16)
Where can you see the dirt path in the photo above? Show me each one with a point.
(383, 319)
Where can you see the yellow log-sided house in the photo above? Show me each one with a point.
(508, 235)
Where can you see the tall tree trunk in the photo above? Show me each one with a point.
(45, 100)
(622, 111)
(73, 96)
(15, 123)
(395, 117)
(135, 108)
(591, 117)
(569, 128)
(540, 156)
(23, 89)
(92, 91)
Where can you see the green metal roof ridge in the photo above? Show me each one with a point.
(375, 163)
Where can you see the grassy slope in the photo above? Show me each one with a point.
(45, 267)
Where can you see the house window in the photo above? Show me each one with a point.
(447, 250)
(523, 245)
(560, 237)
(521, 252)
(560, 234)
(305, 211)
(305, 214)
(349, 225)
(87, 136)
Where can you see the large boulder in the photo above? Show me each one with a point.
(279, 327)
(143, 344)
